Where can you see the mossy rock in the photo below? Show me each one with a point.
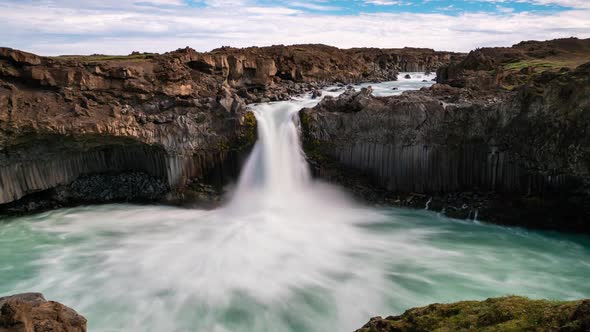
(248, 136)
(506, 314)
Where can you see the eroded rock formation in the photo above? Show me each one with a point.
(32, 313)
(513, 156)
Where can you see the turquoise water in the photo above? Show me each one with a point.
(166, 269)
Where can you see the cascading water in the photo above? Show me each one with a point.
(277, 168)
(286, 254)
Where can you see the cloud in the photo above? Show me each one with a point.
(119, 27)
(313, 6)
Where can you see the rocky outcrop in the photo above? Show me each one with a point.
(500, 314)
(511, 157)
(32, 313)
(263, 66)
(510, 67)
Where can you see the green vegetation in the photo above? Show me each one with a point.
(248, 136)
(93, 58)
(493, 315)
(314, 148)
(544, 64)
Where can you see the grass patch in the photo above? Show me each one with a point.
(546, 64)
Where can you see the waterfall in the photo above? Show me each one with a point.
(277, 165)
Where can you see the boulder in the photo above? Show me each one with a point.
(30, 312)
(315, 94)
(350, 101)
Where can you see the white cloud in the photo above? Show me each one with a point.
(55, 29)
(383, 2)
(312, 6)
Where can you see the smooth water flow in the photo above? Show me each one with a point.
(277, 167)
(286, 254)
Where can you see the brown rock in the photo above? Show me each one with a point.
(32, 313)
(20, 56)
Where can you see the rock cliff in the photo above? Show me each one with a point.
(61, 119)
(79, 129)
(511, 156)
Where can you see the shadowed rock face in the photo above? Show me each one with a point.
(177, 118)
(513, 157)
(32, 313)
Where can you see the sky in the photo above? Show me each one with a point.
(53, 27)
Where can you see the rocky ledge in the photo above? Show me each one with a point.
(507, 314)
(149, 127)
(32, 313)
(517, 156)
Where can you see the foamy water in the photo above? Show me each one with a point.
(286, 254)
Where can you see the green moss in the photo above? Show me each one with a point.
(249, 134)
(314, 148)
(250, 120)
(541, 64)
(511, 313)
(223, 146)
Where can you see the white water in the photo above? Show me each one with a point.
(286, 254)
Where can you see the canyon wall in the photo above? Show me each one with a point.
(159, 123)
(514, 156)
(61, 119)
(262, 66)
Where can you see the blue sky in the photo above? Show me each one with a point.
(453, 7)
(121, 26)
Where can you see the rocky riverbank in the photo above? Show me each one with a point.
(498, 315)
(72, 128)
(31, 312)
(470, 146)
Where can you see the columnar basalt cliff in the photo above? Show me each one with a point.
(145, 126)
(513, 156)
(61, 119)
